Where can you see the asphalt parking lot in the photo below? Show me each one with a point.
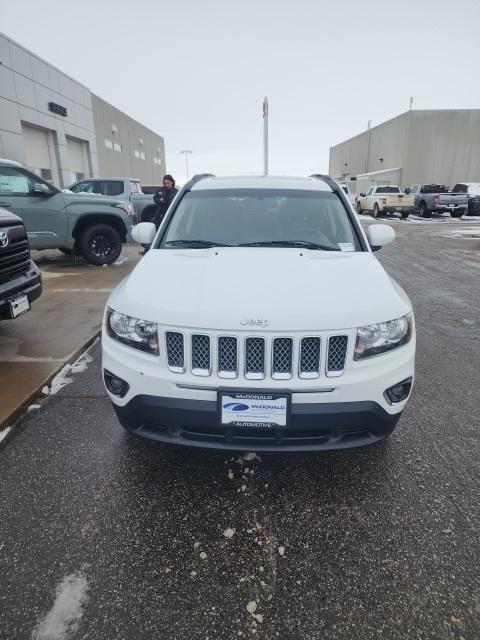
(106, 536)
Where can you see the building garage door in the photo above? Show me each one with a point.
(40, 151)
(77, 159)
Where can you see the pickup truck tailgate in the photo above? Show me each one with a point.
(457, 199)
(399, 200)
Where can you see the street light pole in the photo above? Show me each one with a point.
(265, 136)
(186, 152)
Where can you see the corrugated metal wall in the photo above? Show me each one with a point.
(429, 146)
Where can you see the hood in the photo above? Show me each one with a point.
(282, 289)
(90, 198)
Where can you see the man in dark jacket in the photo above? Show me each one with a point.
(163, 197)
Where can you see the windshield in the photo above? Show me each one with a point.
(261, 217)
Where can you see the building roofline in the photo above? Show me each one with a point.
(94, 95)
(49, 64)
(400, 115)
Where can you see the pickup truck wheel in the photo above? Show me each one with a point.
(376, 211)
(457, 214)
(404, 214)
(359, 208)
(100, 244)
(424, 212)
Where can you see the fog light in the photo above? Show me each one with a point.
(399, 392)
(115, 385)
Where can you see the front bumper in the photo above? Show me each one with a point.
(29, 283)
(326, 413)
(312, 426)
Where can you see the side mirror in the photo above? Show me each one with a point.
(144, 232)
(40, 189)
(362, 195)
(379, 235)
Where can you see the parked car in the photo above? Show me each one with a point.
(384, 199)
(128, 189)
(20, 279)
(95, 226)
(280, 329)
(351, 196)
(436, 198)
(472, 189)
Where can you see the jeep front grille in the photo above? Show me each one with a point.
(337, 351)
(175, 351)
(255, 357)
(227, 357)
(309, 366)
(282, 356)
(200, 355)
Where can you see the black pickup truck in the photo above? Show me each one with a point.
(20, 279)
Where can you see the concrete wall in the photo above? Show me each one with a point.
(27, 85)
(429, 146)
(116, 127)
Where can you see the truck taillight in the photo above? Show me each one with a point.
(436, 199)
(384, 201)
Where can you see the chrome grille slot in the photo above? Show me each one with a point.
(255, 358)
(309, 366)
(175, 351)
(227, 357)
(337, 351)
(282, 356)
(200, 355)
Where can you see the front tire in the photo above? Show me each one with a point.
(100, 244)
(376, 211)
(359, 208)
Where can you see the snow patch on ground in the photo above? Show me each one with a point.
(4, 433)
(32, 407)
(64, 617)
(63, 377)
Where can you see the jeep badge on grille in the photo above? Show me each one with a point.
(261, 323)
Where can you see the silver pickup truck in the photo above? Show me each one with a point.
(128, 189)
(436, 198)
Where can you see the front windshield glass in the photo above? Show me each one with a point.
(314, 219)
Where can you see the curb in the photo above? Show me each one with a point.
(12, 421)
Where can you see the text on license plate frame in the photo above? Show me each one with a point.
(244, 414)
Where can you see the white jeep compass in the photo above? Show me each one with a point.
(260, 320)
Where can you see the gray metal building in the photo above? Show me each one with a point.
(59, 129)
(416, 147)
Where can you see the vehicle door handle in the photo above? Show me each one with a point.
(5, 204)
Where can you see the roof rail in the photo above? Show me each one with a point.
(321, 176)
(196, 178)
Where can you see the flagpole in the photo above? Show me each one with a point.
(265, 136)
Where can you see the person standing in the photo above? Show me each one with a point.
(163, 197)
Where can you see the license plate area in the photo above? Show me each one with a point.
(259, 409)
(18, 305)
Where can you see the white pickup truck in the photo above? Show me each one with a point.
(385, 199)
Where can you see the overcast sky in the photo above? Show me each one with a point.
(196, 71)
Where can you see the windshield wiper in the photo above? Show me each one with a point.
(196, 243)
(290, 243)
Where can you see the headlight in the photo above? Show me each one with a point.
(126, 206)
(133, 332)
(379, 338)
